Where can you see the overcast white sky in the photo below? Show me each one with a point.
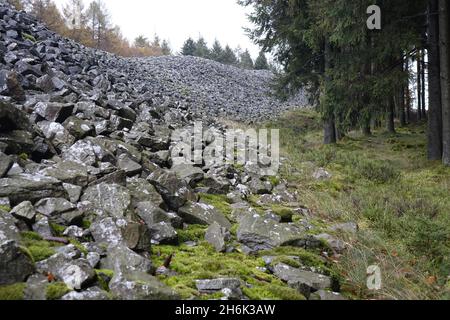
(176, 20)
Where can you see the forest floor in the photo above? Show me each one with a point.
(400, 200)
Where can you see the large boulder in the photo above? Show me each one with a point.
(258, 233)
(140, 286)
(6, 163)
(54, 112)
(25, 212)
(217, 236)
(175, 192)
(304, 281)
(76, 274)
(151, 214)
(15, 264)
(188, 173)
(201, 213)
(112, 198)
(68, 172)
(28, 187)
(143, 191)
(10, 85)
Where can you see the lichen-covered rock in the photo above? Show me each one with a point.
(304, 281)
(257, 233)
(15, 264)
(24, 211)
(217, 236)
(188, 173)
(90, 294)
(108, 231)
(5, 164)
(202, 213)
(68, 172)
(175, 192)
(163, 233)
(143, 191)
(112, 198)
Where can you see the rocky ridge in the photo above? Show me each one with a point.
(90, 192)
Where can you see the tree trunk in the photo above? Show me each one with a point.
(401, 100)
(444, 27)
(407, 95)
(424, 112)
(390, 116)
(434, 87)
(419, 87)
(329, 120)
(366, 130)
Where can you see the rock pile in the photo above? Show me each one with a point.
(87, 181)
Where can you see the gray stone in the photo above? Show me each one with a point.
(143, 191)
(137, 236)
(68, 172)
(24, 211)
(217, 236)
(335, 244)
(5, 164)
(81, 152)
(73, 232)
(57, 134)
(201, 213)
(8, 228)
(90, 294)
(108, 231)
(131, 167)
(54, 112)
(78, 128)
(151, 214)
(54, 206)
(192, 175)
(175, 192)
(348, 227)
(140, 286)
(112, 198)
(327, 296)
(73, 191)
(121, 259)
(305, 281)
(15, 265)
(214, 285)
(76, 274)
(258, 233)
(163, 233)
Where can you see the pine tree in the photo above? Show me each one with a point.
(444, 33)
(228, 56)
(261, 62)
(216, 51)
(201, 48)
(141, 42)
(166, 50)
(245, 60)
(188, 48)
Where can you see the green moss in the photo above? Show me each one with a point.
(38, 249)
(12, 292)
(5, 208)
(86, 224)
(30, 235)
(272, 292)
(24, 156)
(27, 36)
(274, 180)
(104, 276)
(192, 233)
(54, 291)
(203, 262)
(219, 201)
(79, 246)
(57, 229)
(283, 212)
